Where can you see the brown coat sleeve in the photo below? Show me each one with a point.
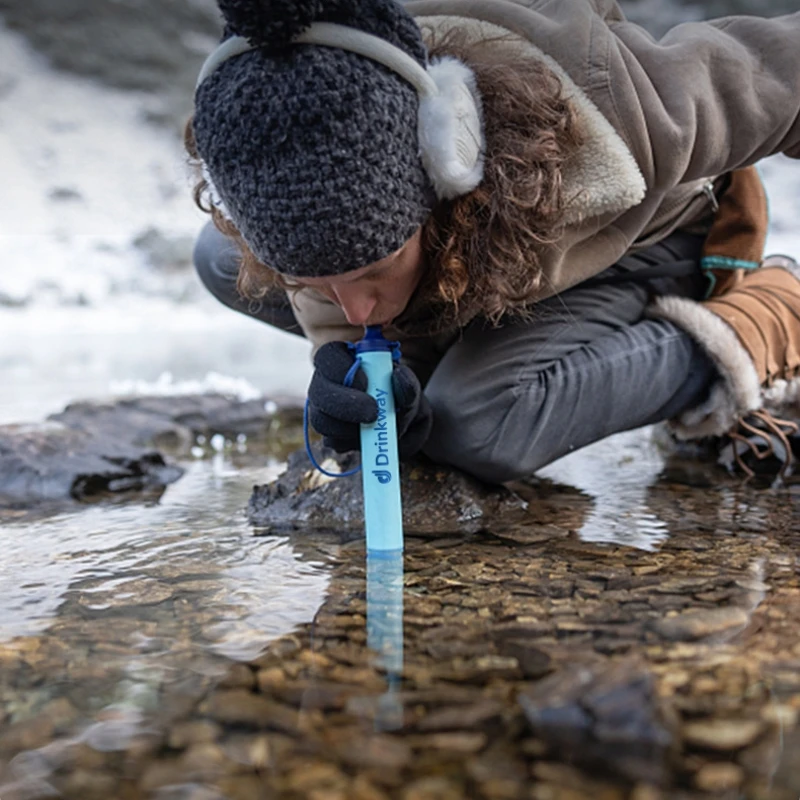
(707, 98)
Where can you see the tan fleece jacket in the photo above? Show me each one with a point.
(661, 119)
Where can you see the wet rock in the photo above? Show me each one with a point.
(90, 785)
(252, 751)
(239, 676)
(686, 585)
(531, 534)
(722, 734)
(185, 734)
(379, 750)
(207, 760)
(449, 649)
(456, 742)
(50, 462)
(174, 422)
(533, 662)
(364, 789)
(434, 788)
(91, 450)
(241, 787)
(523, 629)
(32, 733)
(435, 501)
(163, 773)
(719, 777)
(313, 695)
(563, 781)
(461, 718)
(702, 624)
(240, 707)
(606, 716)
(308, 777)
(482, 669)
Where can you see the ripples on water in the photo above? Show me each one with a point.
(116, 603)
(117, 617)
(194, 543)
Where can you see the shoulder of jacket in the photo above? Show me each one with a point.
(608, 10)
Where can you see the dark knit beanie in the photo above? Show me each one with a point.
(313, 150)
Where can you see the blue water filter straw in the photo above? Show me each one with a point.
(380, 463)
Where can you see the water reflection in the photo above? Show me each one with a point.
(385, 630)
(124, 613)
(194, 550)
(617, 474)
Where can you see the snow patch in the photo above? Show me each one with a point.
(88, 176)
(166, 386)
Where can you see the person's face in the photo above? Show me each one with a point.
(379, 292)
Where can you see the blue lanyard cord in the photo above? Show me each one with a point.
(348, 381)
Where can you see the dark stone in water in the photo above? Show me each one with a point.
(604, 716)
(436, 500)
(51, 462)
(92, 449)
(533, 661)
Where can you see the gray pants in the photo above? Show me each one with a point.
(510, 400)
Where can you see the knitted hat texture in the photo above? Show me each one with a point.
(313, 150)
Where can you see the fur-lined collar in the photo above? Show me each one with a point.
(603, 178)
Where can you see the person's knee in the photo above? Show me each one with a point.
(475, 434)
(216, 261)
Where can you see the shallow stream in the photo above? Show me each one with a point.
(632, 635)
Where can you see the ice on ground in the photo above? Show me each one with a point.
(92, 189)
(781, 176)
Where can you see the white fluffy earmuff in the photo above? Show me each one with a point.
(450, 129)
(450, 124)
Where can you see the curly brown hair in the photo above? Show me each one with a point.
(482, 249)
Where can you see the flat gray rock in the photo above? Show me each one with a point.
(172, 423)
(51, 462)
(92, 449)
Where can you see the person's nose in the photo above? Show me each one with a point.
(356, 302)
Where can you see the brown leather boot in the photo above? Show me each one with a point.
(752, 333)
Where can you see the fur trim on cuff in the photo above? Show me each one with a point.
(783, 397)
(737, 393)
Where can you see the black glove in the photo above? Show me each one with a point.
(336, 410)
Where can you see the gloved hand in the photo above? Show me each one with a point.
(336, 410)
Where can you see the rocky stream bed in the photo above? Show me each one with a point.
(502, 657)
